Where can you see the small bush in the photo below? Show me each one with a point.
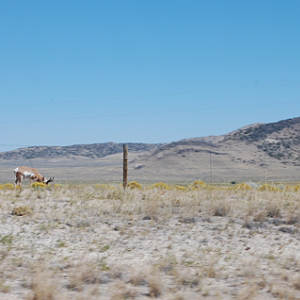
(105, 186)
(7, 186)
(155, 284)
(180, 188)
(260, 216)
(269, 188)
(297, 188)
(134, 185)
(243, 186)
(22, 211)
(197, 184)
(296, 282)
(220, 208)
(273, 210)
(160, 186)
(42, 287)
(38, 185)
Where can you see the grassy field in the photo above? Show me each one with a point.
(195, 242)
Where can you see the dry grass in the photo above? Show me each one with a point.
(101, 242)
(42, 286)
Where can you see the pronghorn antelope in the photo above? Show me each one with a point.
(29, 173)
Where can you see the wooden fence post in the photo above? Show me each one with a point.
(125, 165)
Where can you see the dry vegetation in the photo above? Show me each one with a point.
(101, 242)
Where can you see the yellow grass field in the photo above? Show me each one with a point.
(157, 242)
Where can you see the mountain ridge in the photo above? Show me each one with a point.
(259, 150)
(96, 150)
(279, 140)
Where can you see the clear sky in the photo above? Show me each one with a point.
(80, 72)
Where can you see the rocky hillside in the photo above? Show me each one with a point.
(256, 152)
(280, 140)
(254, 149)
(75, 151)
(255, 144)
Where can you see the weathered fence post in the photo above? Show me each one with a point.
(125, 165)
(210, 167)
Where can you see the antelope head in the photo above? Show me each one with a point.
(49, 180)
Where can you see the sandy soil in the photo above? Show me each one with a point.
(99, 242)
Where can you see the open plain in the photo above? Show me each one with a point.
(194, 242)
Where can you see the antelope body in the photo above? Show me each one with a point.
(31, 174)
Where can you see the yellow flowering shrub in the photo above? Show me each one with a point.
(7, 186)
(134, 185)
(180, 188)
(209, 187)
(297, 188)
(268, 187)
(289, 188)
(38, 184)
(160, 186)
(197, 184)
(243, 186)
(105, 186)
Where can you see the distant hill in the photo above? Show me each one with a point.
(268, 151)
(280, 140)
(256, 150)
(75, 151)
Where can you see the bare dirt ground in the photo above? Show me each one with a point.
(99, 242)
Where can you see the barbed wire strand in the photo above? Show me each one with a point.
(51, 102)
(148, 113)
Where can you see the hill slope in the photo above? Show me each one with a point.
(75, 151)
(252, 151)
(257, 151)
(280, 140)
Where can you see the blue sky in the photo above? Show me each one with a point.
(80, 72)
